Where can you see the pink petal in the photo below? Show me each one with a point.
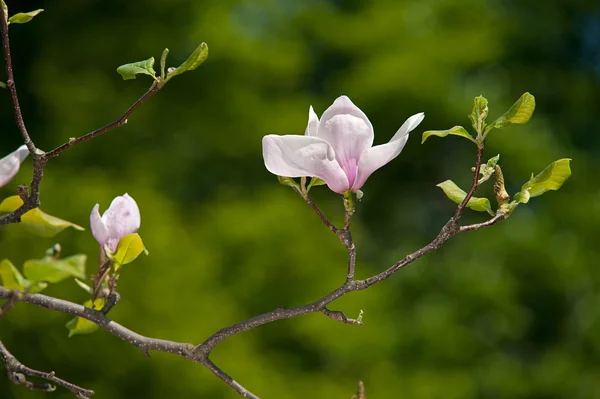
(10, 164)
(349, 131)
(296, 156)
(313, 123)
(121, 218)
(99, 230)
(375, 157)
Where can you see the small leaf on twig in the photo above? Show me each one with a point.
(53, 270)
(455, 131)
(129, 248)
(129, 71)
(488, 169)
(37, 221)
(519, 113)
(457, 195)
(24, 17)
(551, 178)
(79, 325)
(194, 61)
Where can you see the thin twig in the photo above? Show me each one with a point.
(498, 218)
(10, 83)
(17, 371)
(324, 219)
(118, 123)
(474, 185)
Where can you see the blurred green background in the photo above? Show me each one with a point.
(508, 312)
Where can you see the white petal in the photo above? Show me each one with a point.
(296, 156)
(349, 131)
(375, 157)
(313, 123)
(99, 230)
(409, 125)
(121, 218)
(10, 164)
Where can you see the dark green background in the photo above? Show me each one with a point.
(508, 312)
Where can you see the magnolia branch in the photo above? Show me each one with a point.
(200, 353)
(39, 157)
(17, 371)
(196, 353)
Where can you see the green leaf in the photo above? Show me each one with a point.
(53, 270)
(479, 113)
(456, 131)
(83, 285)
(80, 325)
(519, 113)
(129, 248)
(454, 192)
(3, 85)
(37, 221)
(551, 178)
(315, 181)
(24, 17)
(163, 62)
(288, 181)
(129, 71)
(488, 169)
(11, 278)
(194, 61)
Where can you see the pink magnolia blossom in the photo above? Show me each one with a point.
(120, 219)
(10, 164)
(337, 149)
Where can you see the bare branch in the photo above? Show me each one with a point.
(10, 83)
(17, 371)
(243, 392)
(498, 218)
(118, 123)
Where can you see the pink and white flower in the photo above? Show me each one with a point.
(337, 149)
(10, 164)
(120, 219)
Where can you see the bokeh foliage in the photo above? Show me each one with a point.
(508, 312)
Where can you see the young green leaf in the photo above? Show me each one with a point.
(79, 325)
(479, 113)
(24, 17)
(315, 181)
(194, 61)
(456, 131)
(288, 181)
(454, 192)
(129, 71)
(11, 278)
(551, 178)
(488, 169)
(519, 113)
(53, 270)
(163, 62)
(129, 248)
(37, 221)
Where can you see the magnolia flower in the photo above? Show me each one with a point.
(120, 219)
(337, 149)
(10, 164)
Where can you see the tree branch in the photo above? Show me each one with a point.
(474, 185)
(118, 123)
(17, 371)
(10, 83)
(201, 353)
